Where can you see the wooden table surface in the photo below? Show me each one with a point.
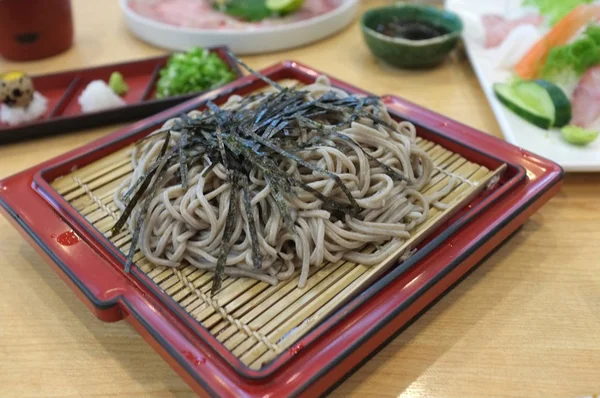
(525, 323)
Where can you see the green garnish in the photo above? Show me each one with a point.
(555, 10)
(193, 71)
(562, 104)
(565, 64)
(117, 83)
(578, 136)
(246, 10)
(284, 6)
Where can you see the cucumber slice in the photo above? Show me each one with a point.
(528, 100)
(246, 10)
(562, 105)
(284, 6)
(578, 136)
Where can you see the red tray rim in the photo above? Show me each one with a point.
(556, 170)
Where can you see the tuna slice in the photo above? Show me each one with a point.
(586, 99)
(497, 28)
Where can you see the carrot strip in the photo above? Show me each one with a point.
(560, 34)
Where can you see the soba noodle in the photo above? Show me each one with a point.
(187, 225)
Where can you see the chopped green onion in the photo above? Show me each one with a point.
(194, 71)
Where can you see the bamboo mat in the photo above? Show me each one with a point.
(254, 320)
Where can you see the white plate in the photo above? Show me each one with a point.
(517, 131)
(261, 40)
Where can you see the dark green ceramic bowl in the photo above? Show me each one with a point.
(411, 54)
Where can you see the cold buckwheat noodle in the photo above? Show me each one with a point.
(187, 225)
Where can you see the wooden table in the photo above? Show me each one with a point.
(525, 323)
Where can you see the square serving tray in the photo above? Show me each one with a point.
(338, 338)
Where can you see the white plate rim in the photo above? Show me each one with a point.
(342, 9)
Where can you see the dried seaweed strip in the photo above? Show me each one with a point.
(249, 69)
(285, 114)
(183, 160)
(219, 135)
(267, 105)
(281, 204)
(277, 179)
(131, 190)
(294, 147)
(139, 193)
(329, 107)
(209, 169)
(276, 130)
(184, 117)
(256, 255)
(138, 225)
(360, 104)
(227, 243)
(328, 203)
(191, 159)
(152, 135)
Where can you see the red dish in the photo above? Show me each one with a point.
(339, 343)
(63, 89)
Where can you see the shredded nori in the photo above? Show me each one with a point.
(183, 159)
(256, 138)
(139, 193)
(229, 228)
(256, 255)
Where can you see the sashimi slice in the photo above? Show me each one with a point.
(516, 45)
(498, 28)
(586, 99)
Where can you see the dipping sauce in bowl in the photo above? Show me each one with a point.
(411, 30)
(411, 36)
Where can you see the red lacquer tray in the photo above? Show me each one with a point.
(337, 344)
(63, 89)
